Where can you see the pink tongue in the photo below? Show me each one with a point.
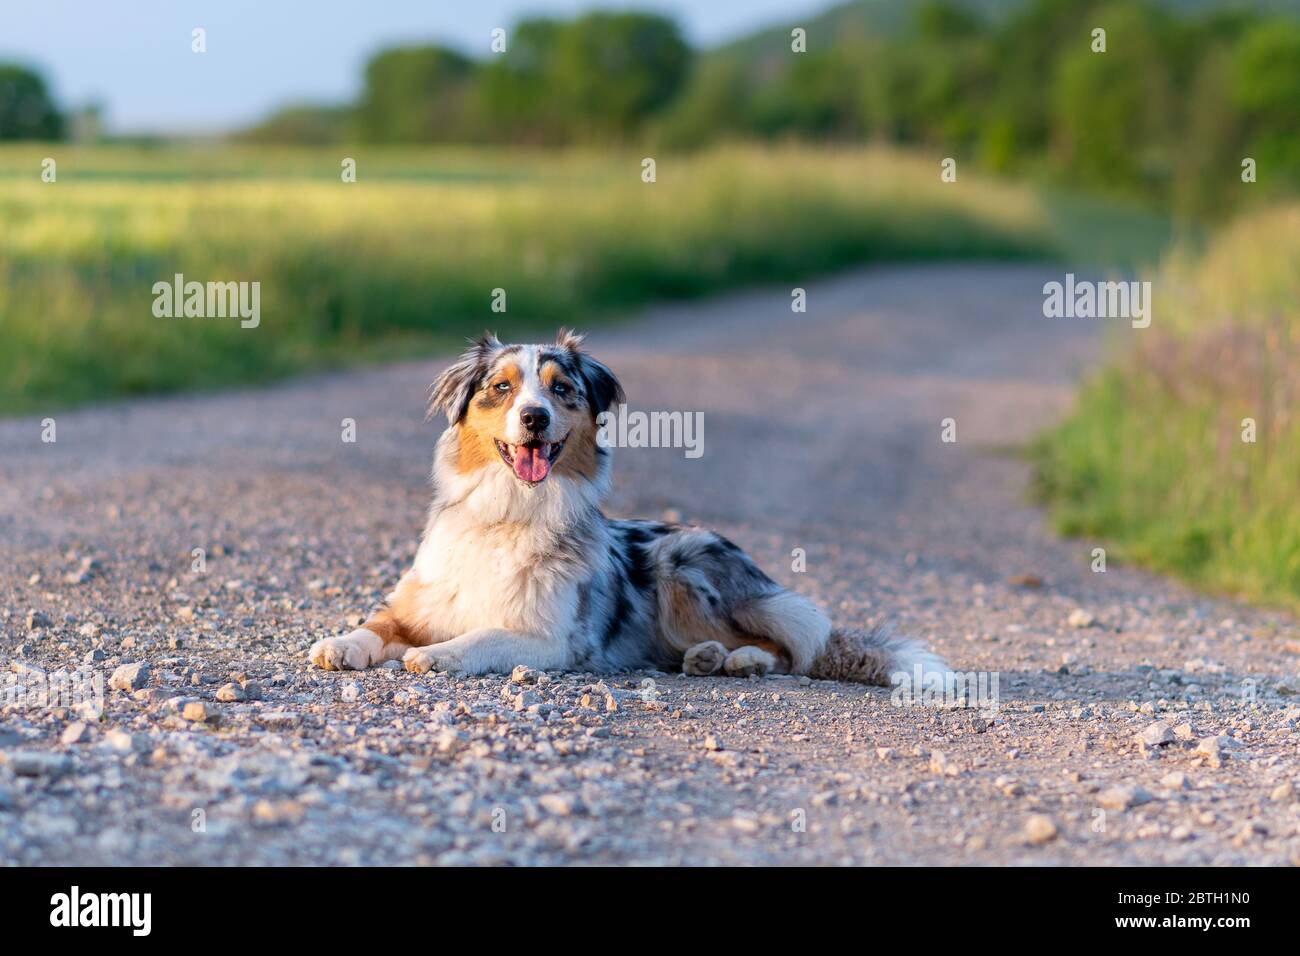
(531, 463)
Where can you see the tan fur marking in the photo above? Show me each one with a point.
(477, 434)
(396, 622)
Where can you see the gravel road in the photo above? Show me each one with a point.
(1135, 721)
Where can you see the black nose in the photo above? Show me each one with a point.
(535, 418)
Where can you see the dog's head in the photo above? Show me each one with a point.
(530, 409)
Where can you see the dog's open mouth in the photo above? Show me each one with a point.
(531, 461)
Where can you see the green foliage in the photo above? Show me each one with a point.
(403, 261)
(1182, 93)
(414, 95)
(611, 71)
(26, 109)
(1153, 462)
(306, 124)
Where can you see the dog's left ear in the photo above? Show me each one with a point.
(603, 389)
(453, 389)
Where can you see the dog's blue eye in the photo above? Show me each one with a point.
(559, 388)
(502, 386)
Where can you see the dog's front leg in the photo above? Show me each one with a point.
(489, 650)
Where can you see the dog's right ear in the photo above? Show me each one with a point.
(453, 389)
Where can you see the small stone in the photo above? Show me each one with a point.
(196, 711)
(611, 704)
(885, 753)
(130, 677)
(1283, 792)
(1156, 735)
(1174, 780)
(940, 764)
(713, 742)
(90, 629)
(1009, 787)
(269, 813)
(1079, 618)
(231, 693)
(1123, 797)
(93, 656)
(252, 690)
(119, 741)
(1214, 749)
(37, 620)
(37, 763)
(524, 675)
(1040, 828)
(350, 691)
(560, 804)
(76, 732)
(279, 719)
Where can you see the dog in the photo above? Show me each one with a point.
(518, 564)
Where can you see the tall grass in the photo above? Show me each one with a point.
(1153, 459)
(404, 261)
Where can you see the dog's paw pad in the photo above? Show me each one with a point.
(704, 659)
(749, 660)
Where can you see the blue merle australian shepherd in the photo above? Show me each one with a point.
(519, 565)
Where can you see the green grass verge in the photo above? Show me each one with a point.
(1152, 460)
(404, 261)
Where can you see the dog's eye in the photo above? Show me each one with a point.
(502, 386)
(559, 388)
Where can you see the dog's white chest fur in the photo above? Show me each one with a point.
(500, 576)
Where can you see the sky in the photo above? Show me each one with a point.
(134, 56)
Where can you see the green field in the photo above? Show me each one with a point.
(403, 262)
(1153, 460)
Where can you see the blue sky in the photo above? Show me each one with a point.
(134, 56)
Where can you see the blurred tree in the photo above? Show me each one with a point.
(1266, 88)
(304, 123)
(26, 109)
(612, 71)
(415, 95)
(1111, 112)
(513, 96)
(717, 103)
(819, 96)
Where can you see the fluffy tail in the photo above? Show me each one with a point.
(872, 656)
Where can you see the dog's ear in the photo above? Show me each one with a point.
(603, 389)
(453, 389)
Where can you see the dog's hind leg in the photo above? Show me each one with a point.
(704, 659)
(710, 590)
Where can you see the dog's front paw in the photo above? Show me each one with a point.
(354, 652)
(421, 660)
(704, 659)
(749, 660)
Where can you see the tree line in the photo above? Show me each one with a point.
(1168, 107)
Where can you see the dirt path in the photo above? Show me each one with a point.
(822, 433)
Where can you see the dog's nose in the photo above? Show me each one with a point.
(535, 418)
